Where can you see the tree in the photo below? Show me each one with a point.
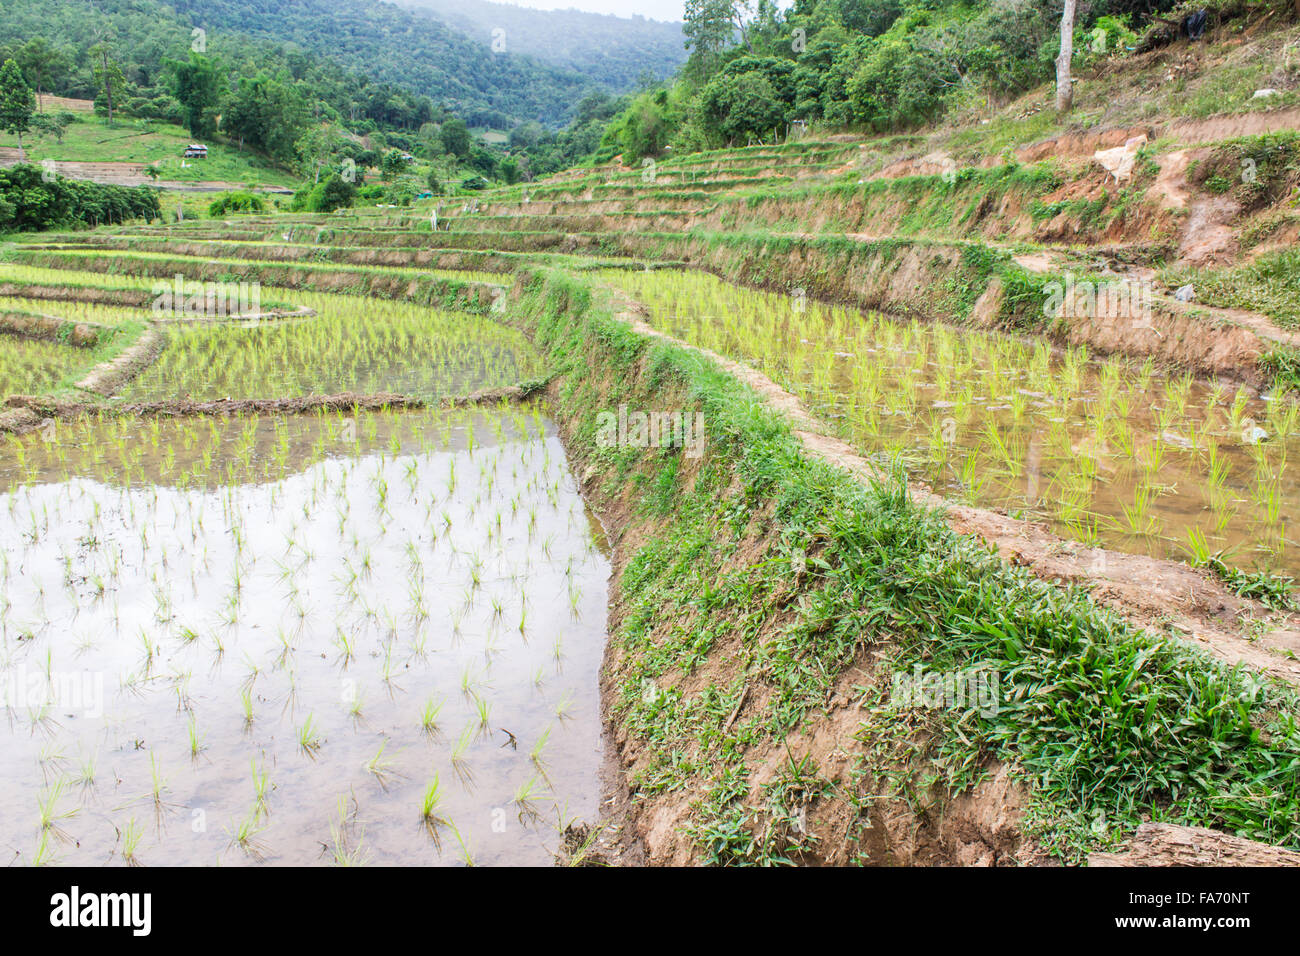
(268, 113)
(54, 124)
(1064, 84)
(108, 76)
(332, 194)
(196, 82)
(17, 103)
(392, 164)
(316, 147)
(708, 28)
(41, 63)
(455, 138)
(744, 106)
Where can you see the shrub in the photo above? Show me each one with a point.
(241, 202)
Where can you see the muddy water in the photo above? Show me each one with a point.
(1108, 452)
(182, 599)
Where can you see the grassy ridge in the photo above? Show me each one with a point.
(1104, 724)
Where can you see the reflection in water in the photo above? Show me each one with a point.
(271, 639)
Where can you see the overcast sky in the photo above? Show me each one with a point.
(652, 9)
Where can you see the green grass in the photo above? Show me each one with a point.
(90, 139)
(1270, 284)
(1101, 721)
(1283, 364)
(1273, 590)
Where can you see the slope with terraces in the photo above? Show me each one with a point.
(767, 594)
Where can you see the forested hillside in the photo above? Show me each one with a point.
(392, 52)
(877, 65)
(619, 51)
(272, 113)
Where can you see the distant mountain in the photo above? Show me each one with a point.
(614, 51)
(416, 52)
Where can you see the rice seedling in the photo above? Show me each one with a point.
(429, 717)
(348, 840)
(196, 745)
(261, 789)
(49, 814)
(381, 767)
(1198, 548)
(158, 784)
(130, 834)
(525, 798)
(483, 709)
(309, 741)
(86, 774)
(466, 855)
(244, 834)
(458, 759)
(564, 709)
(535, 755)
(430, 801)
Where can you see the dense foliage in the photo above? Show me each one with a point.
(365, 59)
(754, 69)
(30, 200)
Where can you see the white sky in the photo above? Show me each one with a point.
(651, 9)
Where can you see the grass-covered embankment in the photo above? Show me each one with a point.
(764, 599)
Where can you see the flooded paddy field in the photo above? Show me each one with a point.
(349, 345)
(1108, 451)
(305, 639)
(73, 311)
(31, 365)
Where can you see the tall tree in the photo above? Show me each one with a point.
(108, 75)
(41, 63)
(316, 148)
(196, 82)
(1064, 82)
(709, 26)
(455, 137)
(17, 103)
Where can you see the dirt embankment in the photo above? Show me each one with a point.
(51, 328)
(411, 285)
(131, 298)
(981, 827)
(913, 279)
(42, 409)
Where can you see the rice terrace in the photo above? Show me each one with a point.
(838, 433)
